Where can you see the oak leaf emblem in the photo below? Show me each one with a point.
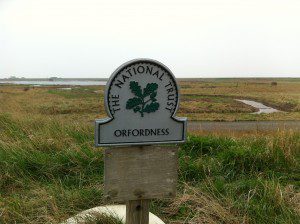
(144, 101)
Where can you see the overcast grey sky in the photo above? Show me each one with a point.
(200, 38)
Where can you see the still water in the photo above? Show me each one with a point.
(262, 109)
(58, 82)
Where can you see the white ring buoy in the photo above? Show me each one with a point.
(118, 211)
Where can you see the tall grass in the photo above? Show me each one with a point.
(50, 170)
(259, 177)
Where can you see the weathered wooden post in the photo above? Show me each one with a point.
(141, 100)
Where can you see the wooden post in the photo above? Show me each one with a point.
(137, 174)
(137, 212)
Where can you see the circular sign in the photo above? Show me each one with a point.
(143, 87)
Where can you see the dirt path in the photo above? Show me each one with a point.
(212, 126)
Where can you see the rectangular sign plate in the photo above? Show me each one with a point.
(133, 173)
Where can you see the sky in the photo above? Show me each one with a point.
(194, 38)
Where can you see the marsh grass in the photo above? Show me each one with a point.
(49, 171)
(199, 104)
(213, 99)
(254, 175)
(203, 99)
(56, 165)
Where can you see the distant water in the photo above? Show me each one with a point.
(58, 83)
(262, 109)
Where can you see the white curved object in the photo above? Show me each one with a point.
(118, 211)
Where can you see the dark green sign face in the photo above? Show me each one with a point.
(144, 100)
(141, 100)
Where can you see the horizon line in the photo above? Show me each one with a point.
(201, 77)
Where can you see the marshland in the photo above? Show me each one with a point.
(50, 169)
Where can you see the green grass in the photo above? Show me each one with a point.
(50, 171)
(255, 175)
(77, 92)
